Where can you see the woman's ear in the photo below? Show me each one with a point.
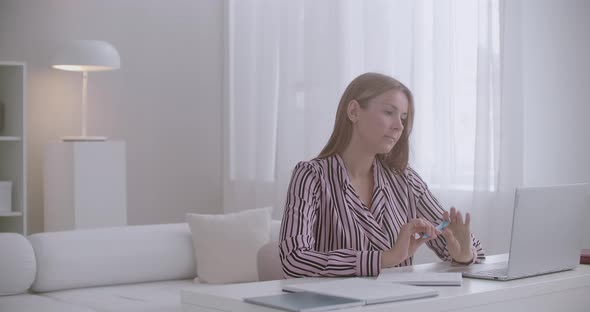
(352, 110)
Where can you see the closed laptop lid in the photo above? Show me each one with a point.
(369, 291)
(547, 228)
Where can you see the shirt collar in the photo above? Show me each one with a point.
(378, 173)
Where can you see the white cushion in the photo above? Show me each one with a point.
(108, 256)
(17, 264)
(226, 246)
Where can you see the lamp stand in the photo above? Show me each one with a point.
(84, 137)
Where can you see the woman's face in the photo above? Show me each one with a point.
(379, 125)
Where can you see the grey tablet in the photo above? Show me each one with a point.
(304, 302)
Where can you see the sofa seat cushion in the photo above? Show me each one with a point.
(144, 297)
(37, 303)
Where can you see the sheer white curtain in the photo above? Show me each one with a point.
(288, 62)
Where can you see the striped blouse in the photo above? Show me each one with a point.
(328, 231)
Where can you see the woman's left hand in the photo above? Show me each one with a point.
(458, 236)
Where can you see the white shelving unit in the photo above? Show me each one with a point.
(11, 214)
(13, 144)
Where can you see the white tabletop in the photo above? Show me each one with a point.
(471, 296)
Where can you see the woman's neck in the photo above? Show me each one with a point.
(357, 163)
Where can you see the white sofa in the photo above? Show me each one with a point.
(132, 268)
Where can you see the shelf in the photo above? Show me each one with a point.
(10, 138)
(10, 214)
(13, 78)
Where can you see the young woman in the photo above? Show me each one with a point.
(358, 207)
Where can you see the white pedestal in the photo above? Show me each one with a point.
(84, 185)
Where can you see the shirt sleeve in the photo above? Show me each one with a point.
(297, 239)
(429, 208)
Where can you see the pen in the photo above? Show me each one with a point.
(439, 227)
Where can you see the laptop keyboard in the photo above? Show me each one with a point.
(494, 272)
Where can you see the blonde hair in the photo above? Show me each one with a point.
(362, 89)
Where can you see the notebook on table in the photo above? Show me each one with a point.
(304, 302)
(368, 291)
(422, 278)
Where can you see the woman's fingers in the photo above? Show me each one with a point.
(453, 215)
(430, 230)
(421, 226)
(417, 242)
(459, 217)
(456, 217)
(418, 226)
(426, 227)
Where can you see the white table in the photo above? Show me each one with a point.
(564, 291)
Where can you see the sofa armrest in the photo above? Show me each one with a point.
(17, 264)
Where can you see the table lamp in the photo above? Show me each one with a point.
(85, 56)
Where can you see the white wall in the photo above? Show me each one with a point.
(556, 81)
(165, 101)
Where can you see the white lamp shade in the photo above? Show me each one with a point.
(87, 55)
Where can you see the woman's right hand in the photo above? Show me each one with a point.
(406, 244)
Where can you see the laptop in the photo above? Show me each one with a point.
(367, 290)
(546, 233)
